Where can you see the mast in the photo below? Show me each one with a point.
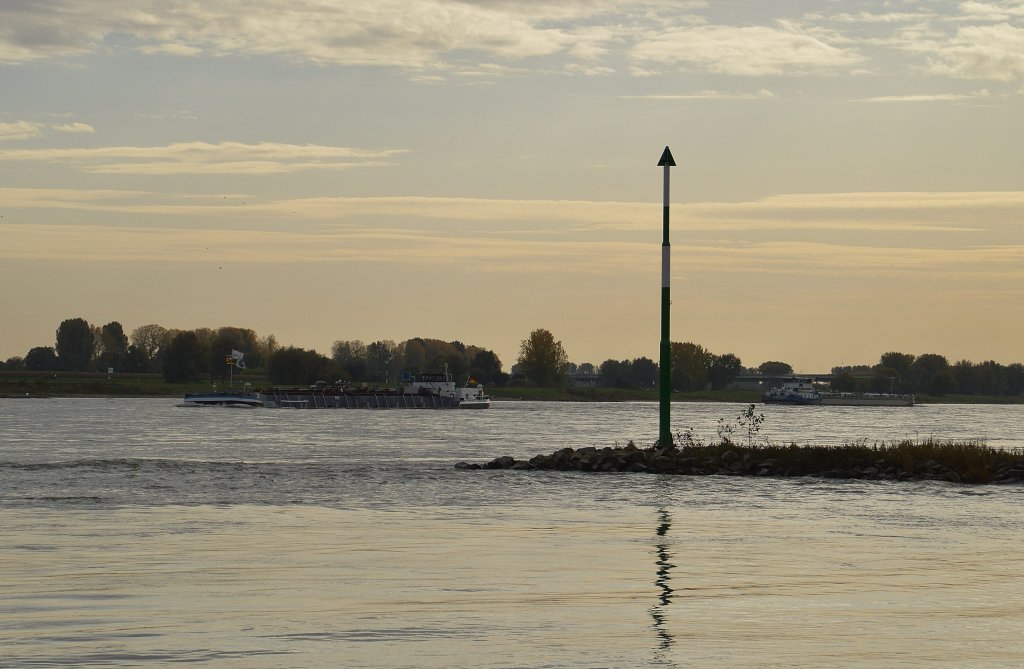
(665, 368)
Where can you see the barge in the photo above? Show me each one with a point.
(803, 392)
(426, 391)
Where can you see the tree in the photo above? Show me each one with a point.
(42, 359)
(228, 339)
(690, 365)
(75, 343)
(112, 347)
(774, 368)
(297, 366)
(350, 358)
(900, 369)
(13, 363)
(723, 370)
(381, 360)
(267, 345)
(542, 359)
(615, 373)
(644, 372)
(991, 378)
(422, 355)
(966, 377)
(186, 358)
(136, 360)
(885, 380)
(941, 383)
(925, 369)
(486, 367)
(1015, 379)
(150, 340)
(844, 381)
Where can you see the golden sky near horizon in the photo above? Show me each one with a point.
(849, 181)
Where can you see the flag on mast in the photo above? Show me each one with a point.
(238, 356)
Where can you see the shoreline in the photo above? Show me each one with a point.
(93, 385)
(727, 397)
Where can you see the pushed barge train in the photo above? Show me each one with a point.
(801, 391)
(427, 391)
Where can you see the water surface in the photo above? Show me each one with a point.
(141, 534)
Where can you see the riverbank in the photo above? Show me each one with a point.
(83, 384)
(740, 396)
(967, 462)
(92, 384)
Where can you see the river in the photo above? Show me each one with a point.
(137, 533)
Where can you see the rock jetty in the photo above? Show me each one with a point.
(904, 461)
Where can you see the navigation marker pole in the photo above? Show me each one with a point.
(665, 367)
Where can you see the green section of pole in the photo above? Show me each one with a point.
(665, 365)
(665, 382)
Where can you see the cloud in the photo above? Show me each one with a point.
(946, 237)
(762, 94)
(935, 97)
(994, 52)
(877, 212)
(431, 38)
(744, 51)
(870, 17)
(991, 11)
(491, 252)
(19, 130)
(403, 33)
(74, 128)
(206, 158)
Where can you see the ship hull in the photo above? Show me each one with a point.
(308, 400)
(868, 400)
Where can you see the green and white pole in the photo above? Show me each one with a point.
(665, 381)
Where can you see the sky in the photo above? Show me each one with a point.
(849, 179)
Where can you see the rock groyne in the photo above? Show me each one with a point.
(903, 461)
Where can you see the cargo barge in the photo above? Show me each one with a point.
(426, 391)
(803, 392)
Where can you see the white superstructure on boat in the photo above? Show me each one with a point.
(796, 391)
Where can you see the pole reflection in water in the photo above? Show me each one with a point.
(663, 581)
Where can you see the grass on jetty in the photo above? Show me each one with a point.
(968, 462)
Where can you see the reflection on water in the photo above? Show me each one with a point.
(663, 581)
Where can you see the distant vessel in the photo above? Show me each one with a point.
(867, 399)
(797, 391)
(801, 391)
(426, 391)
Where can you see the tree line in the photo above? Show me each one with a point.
(202, 353)
(931, 374)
